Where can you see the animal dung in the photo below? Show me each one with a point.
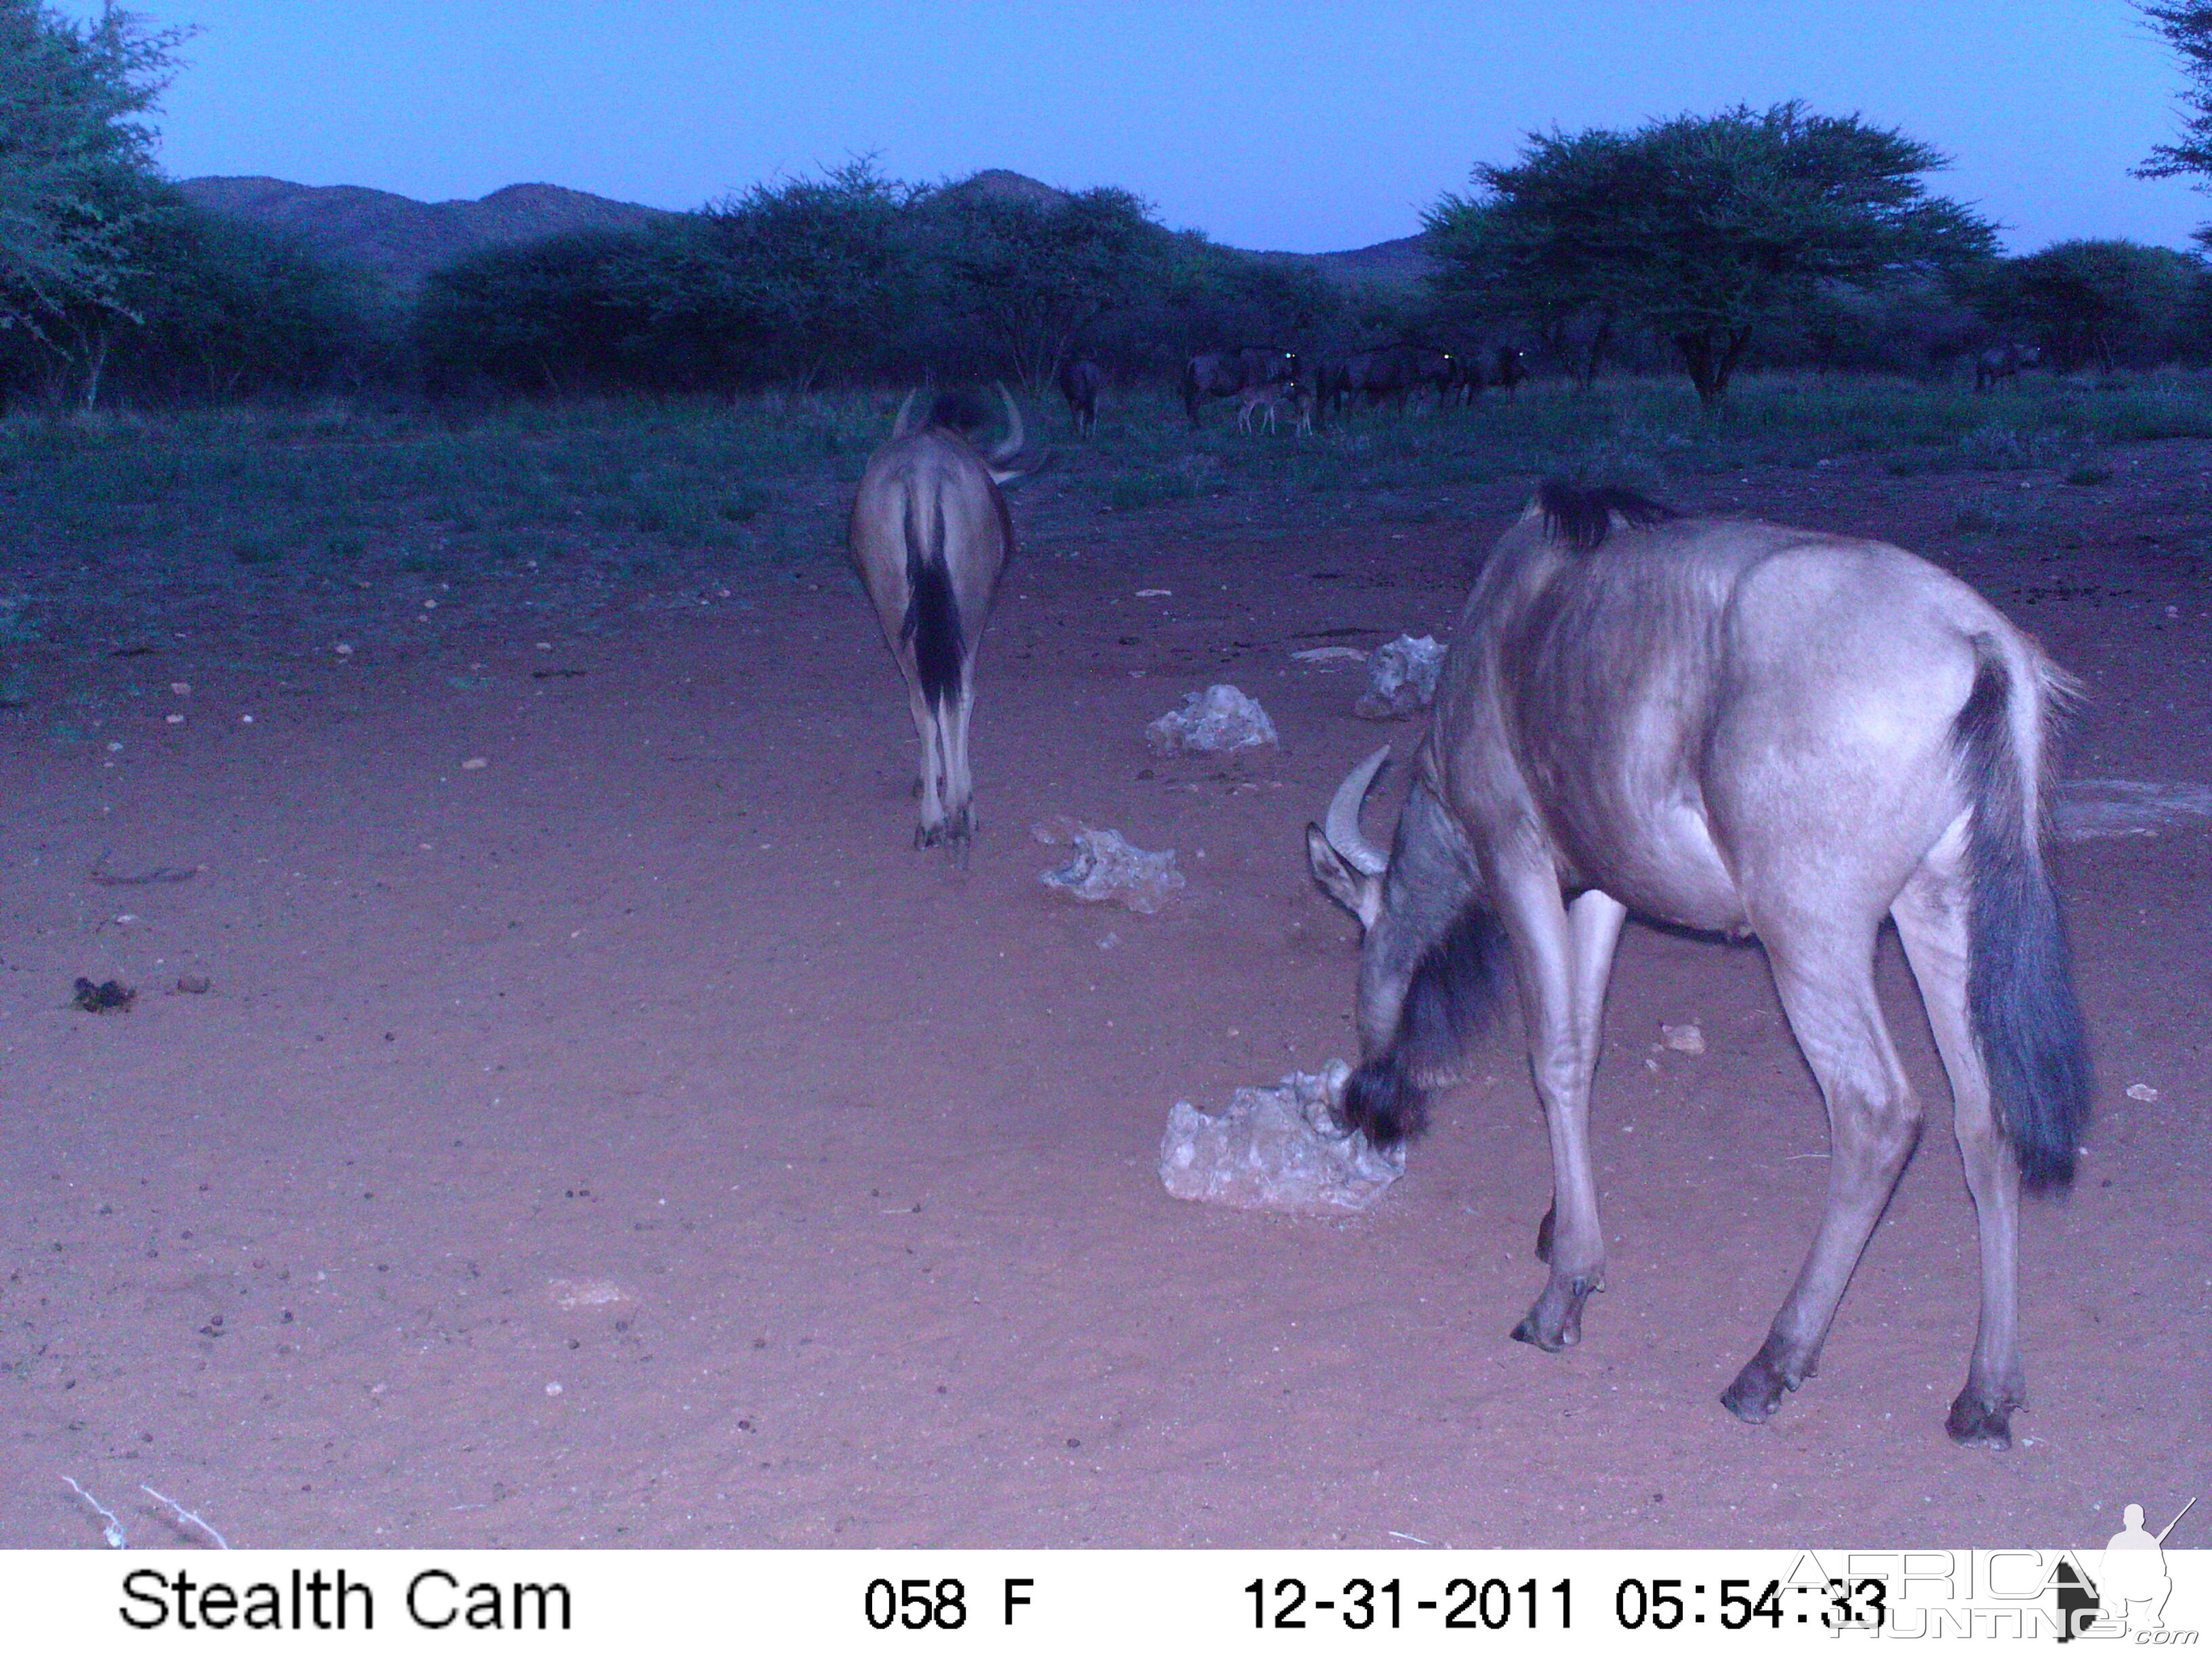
(1218, 720)
(1280, 1148)
(106, 998)
(1402, 678)
(1105, 868)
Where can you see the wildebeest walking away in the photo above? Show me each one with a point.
(1079, 383)
(1744, 729)
(930, 537)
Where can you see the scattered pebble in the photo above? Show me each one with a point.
(475, 764)
(2141, 1091)
(182, 688)
(1682, 1039)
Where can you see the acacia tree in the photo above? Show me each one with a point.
(2188, 29)
(76, 175)
(1702, 228)
(788, 281)
(1035, 275)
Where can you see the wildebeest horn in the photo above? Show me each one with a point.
(1010, 445)
(1342, 824)
(899, 426)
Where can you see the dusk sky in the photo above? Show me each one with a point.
(1283, 125)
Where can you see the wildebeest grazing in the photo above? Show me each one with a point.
(1225, 374)
(1743, 729)
(930, 537)
(1079, 383)
(2003, 362)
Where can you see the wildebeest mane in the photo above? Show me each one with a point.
(1581, 515)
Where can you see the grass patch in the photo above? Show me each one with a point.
(332, 495)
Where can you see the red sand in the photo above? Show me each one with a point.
(630, 1141)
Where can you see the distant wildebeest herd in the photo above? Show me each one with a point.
(1715, 724)
(1268, 379)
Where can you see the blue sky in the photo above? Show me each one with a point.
(1266, 124)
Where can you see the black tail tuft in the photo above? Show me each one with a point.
(1582, 515)
(932, 624)
(2020, 989)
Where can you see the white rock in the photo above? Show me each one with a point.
(1279, 1148)
(1218, 720)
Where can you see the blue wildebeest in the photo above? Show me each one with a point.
(2002, 362)
(1225, 374)
(1079, 383)
(1509, 367)
(1741, 729)
(930, 537)
(1394, 372)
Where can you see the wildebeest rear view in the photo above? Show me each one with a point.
(930, 538)
(1744, 729)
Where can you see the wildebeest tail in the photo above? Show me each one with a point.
(932, 624)
(1449, 1001)
(2019, 992)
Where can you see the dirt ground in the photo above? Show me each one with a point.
(599, 1127)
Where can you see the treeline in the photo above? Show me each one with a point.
(1776, 238)
(856, 279)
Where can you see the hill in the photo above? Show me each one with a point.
(402, 239)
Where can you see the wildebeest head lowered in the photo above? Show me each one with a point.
(1744, 729)
(930, 537)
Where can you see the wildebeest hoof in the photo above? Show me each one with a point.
(1756, 1394)
(1536, 1336)
(1976, 1422)
(1556, 1321)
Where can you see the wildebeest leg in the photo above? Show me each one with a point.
(931, 831)
(1931, 920)
(959, 789)
(1594, 920)
(1826, 976)
(1566, 956)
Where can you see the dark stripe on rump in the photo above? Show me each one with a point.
(932, 624)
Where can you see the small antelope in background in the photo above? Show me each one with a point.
(930, 538)
(1255, 398)
(1742, 729)
(1299, 395)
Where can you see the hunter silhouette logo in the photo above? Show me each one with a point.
(2127, 1594)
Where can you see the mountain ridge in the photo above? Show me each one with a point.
(400, 240)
